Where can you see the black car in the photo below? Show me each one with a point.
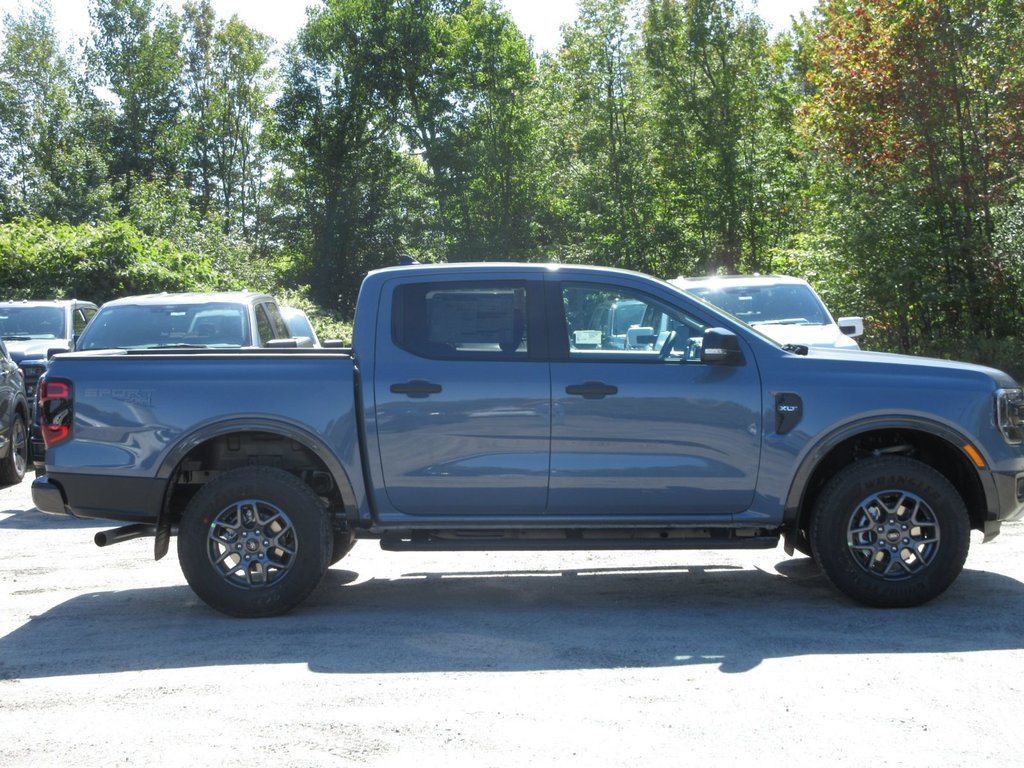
(14, 420)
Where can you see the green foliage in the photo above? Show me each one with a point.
(916, 117)
(875, 149)
(41, 260)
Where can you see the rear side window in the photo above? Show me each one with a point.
(462, 320)
(81, 318)
(263, 326)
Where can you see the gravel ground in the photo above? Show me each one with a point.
(500, 659)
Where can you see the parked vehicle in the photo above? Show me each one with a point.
(299, 325)
(32, 329)
(14, 420)
(233, 319)
(786, 309)
(478, 409)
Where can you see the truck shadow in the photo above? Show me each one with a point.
(507, 621)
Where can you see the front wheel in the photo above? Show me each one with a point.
(890, 532)
(254, 542)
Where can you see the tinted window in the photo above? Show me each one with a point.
(277, 324)
(23, 323)
(263, 325)
(167, 325)
(486, 319)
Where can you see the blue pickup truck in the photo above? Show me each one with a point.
(482, 408)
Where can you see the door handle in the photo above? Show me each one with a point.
(592, 390)
(416, 388)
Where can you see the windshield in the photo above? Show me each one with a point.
(24, 323)
(143, 326)
(768, 304)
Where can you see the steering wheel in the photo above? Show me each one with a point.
(666, 347)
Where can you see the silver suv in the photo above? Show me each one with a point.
(231, 319)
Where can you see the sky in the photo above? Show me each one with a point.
(540, 19)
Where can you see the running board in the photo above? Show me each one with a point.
(545, 539)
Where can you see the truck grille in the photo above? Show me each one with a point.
(32, 371)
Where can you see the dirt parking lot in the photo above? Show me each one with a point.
(500, 659)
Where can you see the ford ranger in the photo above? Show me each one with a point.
(481, 407)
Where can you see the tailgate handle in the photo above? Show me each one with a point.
(592, 390)
(416, 388)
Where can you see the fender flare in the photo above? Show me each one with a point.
(824, 445)
(207, 432)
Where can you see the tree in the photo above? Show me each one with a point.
(227, 86)
(598, 142)
(341, 181)
(52, 128)
(725, 122)
(135, 53)
(923, 98)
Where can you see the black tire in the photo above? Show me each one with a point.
(12, 466)
(254, 542)
(342, 542)
(890, 532)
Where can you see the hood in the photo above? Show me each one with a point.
(877, 366)
(808, 335)
(33, 348)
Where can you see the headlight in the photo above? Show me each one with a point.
(1010, 415)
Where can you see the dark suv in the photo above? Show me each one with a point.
(14, 419)
(31, 329)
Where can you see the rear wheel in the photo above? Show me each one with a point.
(890, 532)
(254, 542)
(12, 466)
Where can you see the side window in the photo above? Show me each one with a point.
(277, 323)
(455, 321)
(263, 326)
(621, 324)
(81, 318)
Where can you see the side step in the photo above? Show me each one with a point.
(547, 539)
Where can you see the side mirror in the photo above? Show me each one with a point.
(851, 326)
(58, 351)
(639, 337)
(291, 343)
(335, 344)
(721, 346)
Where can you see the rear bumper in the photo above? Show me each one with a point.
(48, 497)
(100, 497)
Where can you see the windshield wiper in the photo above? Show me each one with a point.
(784, 321)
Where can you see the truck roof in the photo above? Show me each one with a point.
(240, 297)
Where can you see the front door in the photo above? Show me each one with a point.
(639, 425)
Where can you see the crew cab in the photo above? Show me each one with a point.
(479, 409)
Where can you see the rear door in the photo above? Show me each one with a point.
(462, 393)
(639, 425)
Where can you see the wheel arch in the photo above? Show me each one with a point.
(219, 447)
(935, 444)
